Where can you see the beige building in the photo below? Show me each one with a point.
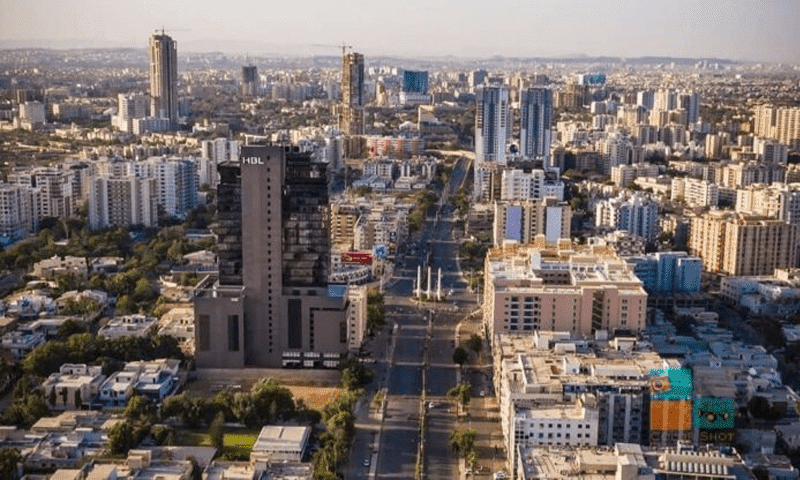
(356, 316)
(624, 175)
(695, 192)
(73, 386)
(524, 220)
(780, 123)
(742, 245)
(568, 288)
(343, 221)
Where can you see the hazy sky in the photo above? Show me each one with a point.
(751, 30)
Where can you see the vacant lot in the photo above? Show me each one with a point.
(314, 397)
(237, 443)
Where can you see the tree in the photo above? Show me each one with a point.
(78, 399)
(51, 398)
(9, 459)
(71, 327)
(462, 392)
(462, 440)
(475, 343)
(216, 431)
(137, 408)
(121, 438)
(460, 355)
(125, 305)
(144, 291)
(760, 408)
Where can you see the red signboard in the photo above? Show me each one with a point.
(357, 257)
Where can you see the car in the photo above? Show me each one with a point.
(367, 461)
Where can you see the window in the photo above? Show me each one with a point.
(233, 333)
(203, 333)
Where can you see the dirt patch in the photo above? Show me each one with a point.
(210, 381)
(315, 397)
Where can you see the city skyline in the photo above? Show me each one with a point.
(736, 30)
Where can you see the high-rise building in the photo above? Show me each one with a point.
(741, 244)
(690, 102)
(249, 80)
(163, 77)
(415, 88)
(667, 273)
(518, 184)
(351, 111)
(664, 100)
(176, 183)
(569, 288)
(536, 119)
(122, 201)
(638, 215)
(18, 212)
(645, 98)
(131, 107)
(523, 220)
(271, 306)
(491, 124)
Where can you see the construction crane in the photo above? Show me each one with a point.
(343, 46)
(163, 30)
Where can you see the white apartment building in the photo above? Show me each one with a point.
(695, 192)
(122, 201)
(176, 183)
(18, 213)
(637, 214)
(781, 201)
(516, 184)
(624, 175)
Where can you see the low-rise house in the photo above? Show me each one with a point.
(156, 380)
(21, 343)
(54, 266)
(178, 322)
(280, 443)
(73, 386)
(128, 326)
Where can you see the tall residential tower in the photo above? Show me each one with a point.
(536, 119)
(351, 111)
(164, 77)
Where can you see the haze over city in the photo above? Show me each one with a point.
(542, 240)
(737, 30)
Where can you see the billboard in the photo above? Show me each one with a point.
(592, 79)
(671, 384)
(671, 415)
(714, 413)
(357, 257)
(671, 400)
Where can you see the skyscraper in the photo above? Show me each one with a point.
(491, 124)
(163, 77)
(271, 306)
(249, 80)
(536, 119)
(351, 111)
